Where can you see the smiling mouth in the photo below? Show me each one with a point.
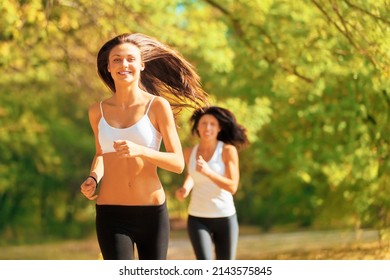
(124, 72)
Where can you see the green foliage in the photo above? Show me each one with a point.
(309, 79)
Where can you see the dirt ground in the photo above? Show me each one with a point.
(320, 245)
(253, 245)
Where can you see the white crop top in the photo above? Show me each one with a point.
(207, 199)
(142, 133)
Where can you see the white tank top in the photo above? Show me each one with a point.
(207, 199)
(142, 133)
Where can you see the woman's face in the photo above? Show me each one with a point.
(208, 127)
(125, 63)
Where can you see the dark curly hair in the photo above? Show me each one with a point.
(231, 131)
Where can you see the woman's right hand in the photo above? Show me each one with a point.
(88, 188)
(181, 194)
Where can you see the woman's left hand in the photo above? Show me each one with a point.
(127, 149)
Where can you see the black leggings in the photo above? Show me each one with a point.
(119, 227)
(223, 232)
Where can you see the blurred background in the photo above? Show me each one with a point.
(309, 79)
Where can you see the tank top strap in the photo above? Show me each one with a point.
(192, 158)
(150, 103)
(219, 150)
(101, 109)
(220, 144)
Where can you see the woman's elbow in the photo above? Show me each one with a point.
(182, 165)
(179, 167)
(233, 189)
(178, 170)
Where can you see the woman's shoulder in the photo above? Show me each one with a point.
(228, 149)
(159, 102)
(95, 106)
(94, 111)
(187, 152)
(160, 109)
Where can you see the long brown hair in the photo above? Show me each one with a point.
(167, 73)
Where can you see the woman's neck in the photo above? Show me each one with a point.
(206, 145)
(126, 96)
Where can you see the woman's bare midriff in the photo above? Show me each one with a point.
(129, 182)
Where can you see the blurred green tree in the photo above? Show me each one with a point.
(309, 79)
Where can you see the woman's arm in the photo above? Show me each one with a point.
(185, 189)
(97, 169)
(229, 181)
(88, 187)
(188, 183)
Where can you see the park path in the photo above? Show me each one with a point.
(252, 245)
(259, 246)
